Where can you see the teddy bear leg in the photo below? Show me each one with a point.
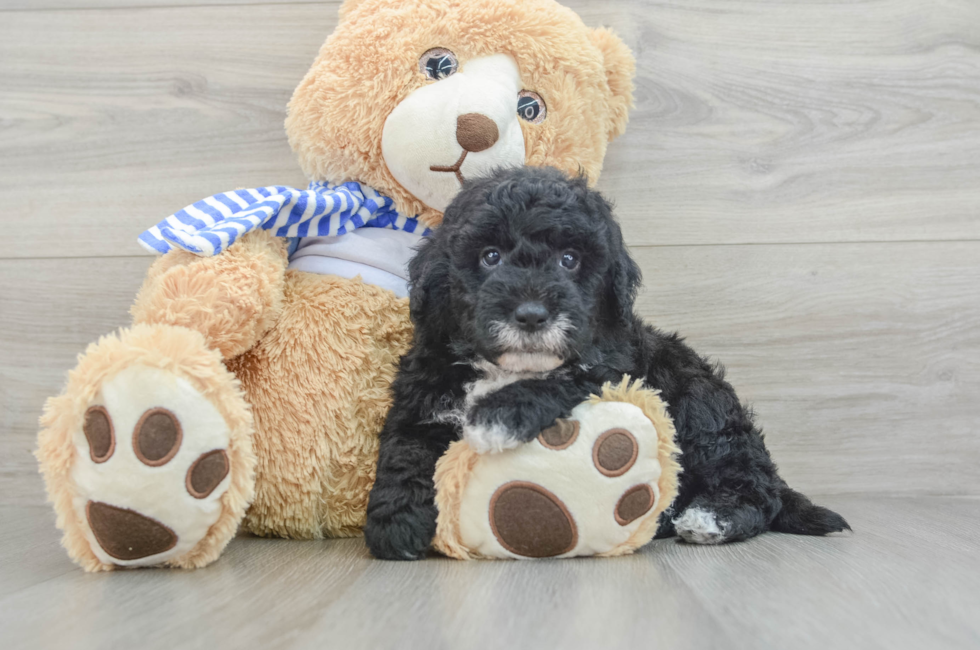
(318, 384)
(147, 454)
(593, 484)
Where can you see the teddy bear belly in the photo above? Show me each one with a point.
(318, 385)
(379, 256)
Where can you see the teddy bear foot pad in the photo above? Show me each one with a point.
(147, 454)
(590, 485)
(149, 478)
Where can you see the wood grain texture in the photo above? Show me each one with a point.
(75, 5)
(903, 580)
(116, 118)
(806, 120)
(756, 121)
(862, 361)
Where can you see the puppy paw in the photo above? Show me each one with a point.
(404, 536)
(491, 428)
(491, 438)
(699, 526)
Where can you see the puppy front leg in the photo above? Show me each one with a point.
(401, 513)
(518, 412)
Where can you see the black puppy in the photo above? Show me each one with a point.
(523, 306)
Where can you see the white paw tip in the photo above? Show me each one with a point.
(489, 439)
(698, 526)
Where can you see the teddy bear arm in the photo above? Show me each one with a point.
(233, 298)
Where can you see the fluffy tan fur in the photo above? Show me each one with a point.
(318, 384)
(184, 353)
(336, 118)
(648, 401)
(233, 299)
(456, 465)
(452, 474)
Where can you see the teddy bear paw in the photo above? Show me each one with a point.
(151, 467)
(585, 486)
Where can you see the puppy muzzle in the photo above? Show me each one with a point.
(538, 351)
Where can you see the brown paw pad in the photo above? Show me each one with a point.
(529, 520)
(614, 452)
(157, 437)
(126, 534)
(207, 472)
(99, 433)
(634, 503)
(561, 435)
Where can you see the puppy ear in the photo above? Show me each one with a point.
(428, 273)
(623, 277)
(620, 70)
(624, 282)
(624, 274)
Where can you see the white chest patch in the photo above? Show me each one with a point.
(493, 377)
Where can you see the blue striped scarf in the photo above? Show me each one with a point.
(210, 226)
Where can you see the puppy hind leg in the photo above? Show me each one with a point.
(726, 515)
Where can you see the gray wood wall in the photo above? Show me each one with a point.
(800, 182)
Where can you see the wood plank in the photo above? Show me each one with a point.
(862, 360)
(116, 118)
(75, 5)
(803, 121)
(902, 581)
(50, 310)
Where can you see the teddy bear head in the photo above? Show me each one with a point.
(412, 97)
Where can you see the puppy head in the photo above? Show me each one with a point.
(528, 271)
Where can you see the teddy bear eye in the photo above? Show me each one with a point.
(531, 107)
(438, 63)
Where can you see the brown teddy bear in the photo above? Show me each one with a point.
(250, 389)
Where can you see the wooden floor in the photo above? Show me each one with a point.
(800, 182)
(905, 579)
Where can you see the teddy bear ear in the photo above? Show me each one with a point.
(620, 70)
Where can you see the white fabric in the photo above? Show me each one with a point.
(156, 492)
(421, 131)
(569, 474)
(379, 256)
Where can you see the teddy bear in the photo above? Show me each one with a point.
(250, 389)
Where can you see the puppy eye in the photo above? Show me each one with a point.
(490, 257)
(569, 260)
(438, 63)
(530, 107)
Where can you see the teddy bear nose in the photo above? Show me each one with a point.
(475, 132)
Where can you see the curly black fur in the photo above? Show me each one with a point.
(532, 216)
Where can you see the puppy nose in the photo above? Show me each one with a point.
(531, 315)
(475, 132)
